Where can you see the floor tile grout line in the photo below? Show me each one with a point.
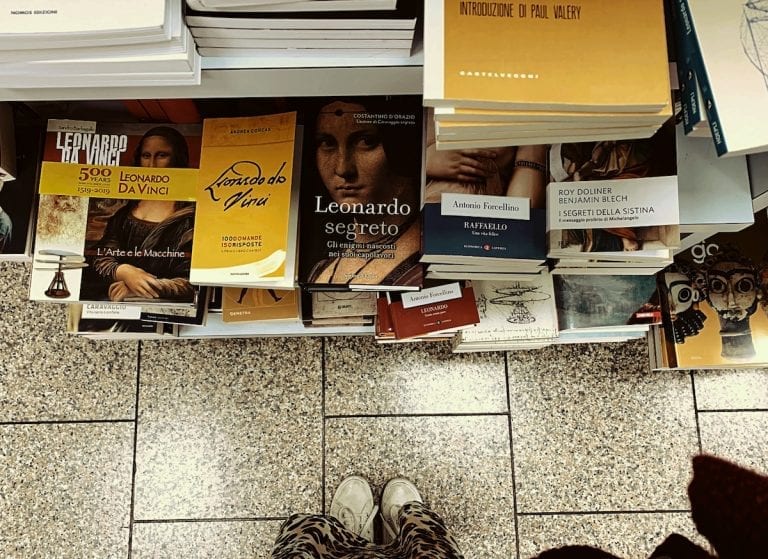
(211, 520)
(425, 414)
(131, 519)
(696, 411)
(322, 421)
(512, 455)
(64, 421)
(599, 512)
(735, 410)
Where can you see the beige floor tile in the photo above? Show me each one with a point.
(732, 389)
(461, 465)
(65, 490)
(741, 437)
(229, 429)
(204, 540)
(49, 375)
(594, 431)
(363, 377)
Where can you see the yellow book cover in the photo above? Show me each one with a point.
(591, 55)
(244, 201)
(242, 304)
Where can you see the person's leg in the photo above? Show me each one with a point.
(346, 533)
(415, 531)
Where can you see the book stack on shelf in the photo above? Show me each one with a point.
(757, 165)
(508, 74)
(96, 44)
(722, 44)
(713, 304)
(483, 212)
(437, 312)
(612, 206)
(315, 28)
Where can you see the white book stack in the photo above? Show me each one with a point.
(309, 28)
(89, 43)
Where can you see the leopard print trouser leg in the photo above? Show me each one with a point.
(423, 535)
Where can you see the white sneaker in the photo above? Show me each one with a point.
(353, 506)
(396, 493)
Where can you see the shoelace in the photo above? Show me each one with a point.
(357, 523)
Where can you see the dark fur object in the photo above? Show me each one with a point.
(729, 505)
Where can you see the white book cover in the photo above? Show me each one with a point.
(240, 33)
(292, 5)
(320, 44)
(79, 23)
(513, 310)
(713, 193)
(731, 36)
(255, 22)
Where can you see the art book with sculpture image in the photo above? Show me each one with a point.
(714, 303)
(116, 219)
(360, 224)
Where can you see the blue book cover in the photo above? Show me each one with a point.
(469, 236)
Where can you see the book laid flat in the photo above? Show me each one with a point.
(512, 312)
(614, 200)
(714, 193)
(86, 22)
(245, 212)
(730, 65)
(438, 307)
(119, 233)
(360, 224)
(713, 310)
(243, 304)
(546, 57)
(599, 303)
(293, 5)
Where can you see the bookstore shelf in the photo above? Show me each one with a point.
(235, 77)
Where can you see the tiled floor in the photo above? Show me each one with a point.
(200, 449)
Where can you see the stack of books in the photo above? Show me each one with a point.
(504, 74)
(612, 206)
(483, 212)
(437, 312)
(97, 44)
(724, 63)
(327, 28)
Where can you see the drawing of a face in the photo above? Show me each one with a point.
(732, 290)
(350, 156)
(680, 294)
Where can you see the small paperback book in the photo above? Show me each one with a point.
(360, 224)
(714, 301)
(438, 307)
(512, 312)
(116, 219)
(616, 198)
(243, 304)
(244, 203)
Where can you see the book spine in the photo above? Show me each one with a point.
(685, 73)
(697, 63)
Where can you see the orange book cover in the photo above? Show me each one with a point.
(587, 56)
(242, 304)
(244, 202)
